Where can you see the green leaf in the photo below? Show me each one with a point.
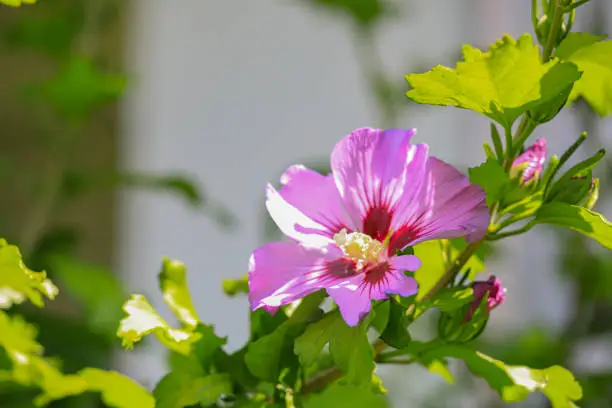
(594, 58)
(16, 3)
(80, 87)
(513, 383)
(346, 396)
(18, 283)
(18, 336)
(364, 12)
(117, 390)
(309, 345)
(502, 83)
(142, 319)
(587, 222)
(173, 284)
(526, 207)
(95, 287)
(353, 353)
(380, 318)
(396, 333)
(349, 347)
(77, 183)
(264, 355)
(449, 299)
(233, 287)
(208, 346)
(492, 178)
(178, 390)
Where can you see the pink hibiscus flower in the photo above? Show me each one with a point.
(346, 228)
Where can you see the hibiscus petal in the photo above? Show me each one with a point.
(294, 223)
(458, 207)
(353, 302)
(396, 280)
(371, 168)
(448, 207)
(317, 197)
(283, 272)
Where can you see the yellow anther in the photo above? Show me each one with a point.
(359, 247)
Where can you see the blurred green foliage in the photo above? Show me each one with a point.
(64, 75)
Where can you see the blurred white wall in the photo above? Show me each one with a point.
(235, 91)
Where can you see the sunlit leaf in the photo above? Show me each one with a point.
(587, 222)
(502, 83)
(513, 383)
(173, 284)
(17, 282)
(17, 3)
(142, 319)
(117, 390)
(594, 58)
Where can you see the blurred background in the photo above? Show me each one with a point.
(138, 129)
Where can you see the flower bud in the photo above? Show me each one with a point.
(494, 292)
(469, 322)
(528, 166)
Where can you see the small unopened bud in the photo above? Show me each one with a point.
(494, 292)
(467, 323)
(528, 166)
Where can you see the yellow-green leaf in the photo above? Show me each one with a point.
(502, 83)
(594, 58)
(18, 283)
(142, 319)
(16, 3)
(173, 284)
(580, 219)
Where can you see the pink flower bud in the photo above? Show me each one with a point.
(493, 290)
(528, 166)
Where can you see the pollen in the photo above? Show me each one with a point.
(359, 247)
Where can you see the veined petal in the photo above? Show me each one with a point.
(448, 207)
(283, 272)
(371, 168)
(294, 223)
(354, 296)
(353, 302)
(397, 281)
(317, 197)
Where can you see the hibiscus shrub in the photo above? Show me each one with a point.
(390, 234)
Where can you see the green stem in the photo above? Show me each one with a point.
(577, 4)
(553, 34)
(401, 361)
(522, 230)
